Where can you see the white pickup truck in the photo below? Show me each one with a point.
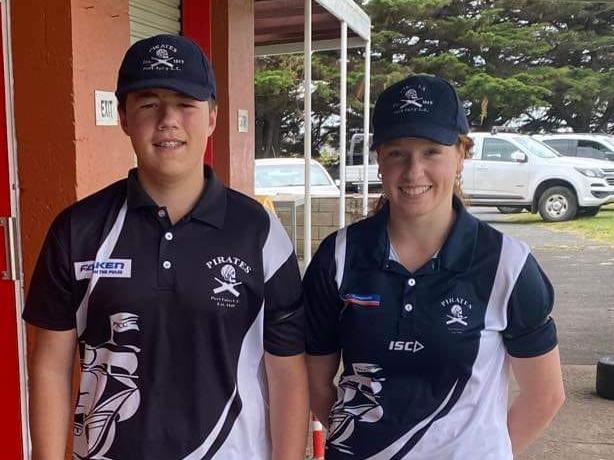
(515, 172)
(354, 169)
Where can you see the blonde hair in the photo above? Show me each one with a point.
(465, 143)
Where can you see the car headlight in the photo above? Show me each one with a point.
(591, 172)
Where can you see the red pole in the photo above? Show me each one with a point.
(319, 438)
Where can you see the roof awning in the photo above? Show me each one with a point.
(279, 25)
(304, 26)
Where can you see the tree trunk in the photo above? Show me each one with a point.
(271, 135)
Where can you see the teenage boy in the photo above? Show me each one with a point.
(182, 296)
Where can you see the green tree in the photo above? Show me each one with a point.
(508, 57)
(549, 63)
(277, 107)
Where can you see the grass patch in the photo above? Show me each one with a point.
(597, 228)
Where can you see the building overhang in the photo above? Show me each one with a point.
(280, 25)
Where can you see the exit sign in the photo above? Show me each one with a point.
(106, 108)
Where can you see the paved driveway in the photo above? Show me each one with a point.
(582, 273)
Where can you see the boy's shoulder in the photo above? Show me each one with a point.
(91, 210)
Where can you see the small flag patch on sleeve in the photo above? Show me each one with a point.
(364, 300)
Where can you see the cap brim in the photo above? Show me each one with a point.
(423, 130)
(189, 89)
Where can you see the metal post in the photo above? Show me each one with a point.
(342, 126)
(307, 144)
(9, 107)
(365, 129)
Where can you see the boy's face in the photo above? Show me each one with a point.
(169, 132)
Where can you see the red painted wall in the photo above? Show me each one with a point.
(103, 154)
(62, 51)
(225, 30)
(196, 24)
(232, 48)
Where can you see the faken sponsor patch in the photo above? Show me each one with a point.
(107, 268)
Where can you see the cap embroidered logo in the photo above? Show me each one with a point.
(413, 100)
(161, 58)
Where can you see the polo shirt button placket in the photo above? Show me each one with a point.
(166, 276)
(166, 253)
(407, 309)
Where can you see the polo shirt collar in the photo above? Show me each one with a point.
(136, 196)
(457, 252)
(455, 255)
(375, 244)
(209, 209)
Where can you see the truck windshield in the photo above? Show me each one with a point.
(536, 147)
(288, 175)
(608, 141)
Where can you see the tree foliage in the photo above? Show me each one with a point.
(543, 64)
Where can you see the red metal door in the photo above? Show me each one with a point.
(11, 440)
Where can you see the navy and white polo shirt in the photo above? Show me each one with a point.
(425, 354)
(172, 320)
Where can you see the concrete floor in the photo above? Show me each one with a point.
(582, 273)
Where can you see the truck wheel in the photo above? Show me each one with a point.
(557, 204)
(605, 377)
(509, 210)
(589, 211)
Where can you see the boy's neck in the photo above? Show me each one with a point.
(178, 195)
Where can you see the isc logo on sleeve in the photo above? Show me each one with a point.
(108, 268)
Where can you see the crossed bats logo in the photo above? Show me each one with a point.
(228, 281)
(161, 58)
(456, 315)
(411, 98)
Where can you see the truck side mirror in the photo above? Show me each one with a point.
(519, 157)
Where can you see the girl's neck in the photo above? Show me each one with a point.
(417, 239)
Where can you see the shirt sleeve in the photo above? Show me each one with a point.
(49, 303)
(530, 330)
(284, 330)
(322, 301)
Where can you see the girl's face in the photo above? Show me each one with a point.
(418, 175)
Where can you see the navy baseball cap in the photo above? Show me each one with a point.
(169, 62)
(419, 106)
